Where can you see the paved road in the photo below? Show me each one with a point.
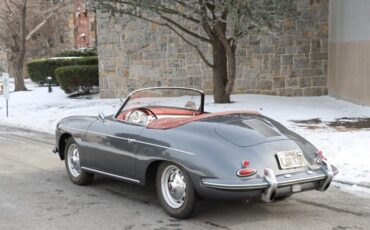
(35, 193)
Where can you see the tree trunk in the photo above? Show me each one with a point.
(219, 73)
(231, 67)
(16, 71)
(18, 61)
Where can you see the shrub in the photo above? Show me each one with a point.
(39, 70)
(79, 53)
(78, 78)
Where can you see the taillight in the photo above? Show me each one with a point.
(320, 156)
(245, 163)
(245, 171)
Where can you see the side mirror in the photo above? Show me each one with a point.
(101, 116)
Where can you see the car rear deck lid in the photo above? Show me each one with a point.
(248, 132)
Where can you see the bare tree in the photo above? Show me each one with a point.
(19, 20)
(224, 23)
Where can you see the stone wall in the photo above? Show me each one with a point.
(64, 32)
(135, 54)
(55, 36)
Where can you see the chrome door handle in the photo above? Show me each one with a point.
(130, 140)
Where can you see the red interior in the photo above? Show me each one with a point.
(162, 111)
(166, 123)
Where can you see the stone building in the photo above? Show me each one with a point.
(73, 27)
(135, 54)
(84, 25)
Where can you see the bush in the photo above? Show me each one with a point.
(78, 78)
(79, 53)
(39, 70)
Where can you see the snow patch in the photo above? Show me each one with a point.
(349, 151)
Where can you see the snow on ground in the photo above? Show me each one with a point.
(348, 150)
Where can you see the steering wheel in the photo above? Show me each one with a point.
(149, 110)
(140, 115)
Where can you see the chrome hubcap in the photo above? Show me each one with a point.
(74, 160)
(173, 186)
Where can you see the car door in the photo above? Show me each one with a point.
(110, 147)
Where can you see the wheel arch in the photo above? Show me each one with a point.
(62, 144)
(151, 171)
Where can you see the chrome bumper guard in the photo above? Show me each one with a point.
(269, 183)
(328, 169)
(268, 194)
(270, 177)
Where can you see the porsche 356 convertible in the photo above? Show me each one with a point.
(163, 136)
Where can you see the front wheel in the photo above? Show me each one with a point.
(175, 191)
(72, 163)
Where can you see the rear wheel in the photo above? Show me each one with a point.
(72, 163)
(175, 191)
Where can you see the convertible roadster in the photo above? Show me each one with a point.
(163, 136)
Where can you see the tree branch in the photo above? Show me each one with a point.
(51, 13)
(205, 22)
(209, 64)
(195, 35)
(160, 10)
(176, 12)
(196, 47)
(8, 6)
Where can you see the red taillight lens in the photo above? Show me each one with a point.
(245, 163)
(320, 155)
(246, 172)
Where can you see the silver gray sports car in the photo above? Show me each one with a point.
(163, 136)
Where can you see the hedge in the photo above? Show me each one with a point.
(39, 70)
(78, 78)
(79, 53)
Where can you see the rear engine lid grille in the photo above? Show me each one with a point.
(261, 127)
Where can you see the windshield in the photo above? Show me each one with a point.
(182, 98)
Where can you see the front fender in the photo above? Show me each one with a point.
(74, 127)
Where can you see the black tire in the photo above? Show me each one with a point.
(190, 204)
(84, 177)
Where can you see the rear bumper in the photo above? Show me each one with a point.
(269, 185)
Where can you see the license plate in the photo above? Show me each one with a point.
(291, 159)
(296, 188)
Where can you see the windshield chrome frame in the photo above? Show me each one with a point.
(201, 107)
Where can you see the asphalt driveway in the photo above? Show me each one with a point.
(35, 193)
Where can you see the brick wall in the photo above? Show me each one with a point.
(135, 54)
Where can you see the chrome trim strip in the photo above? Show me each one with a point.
(161, 146)
(110, 175)
(130, 139)
(166, 87)
(81, 130)
(261, 185)
(301, 180)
